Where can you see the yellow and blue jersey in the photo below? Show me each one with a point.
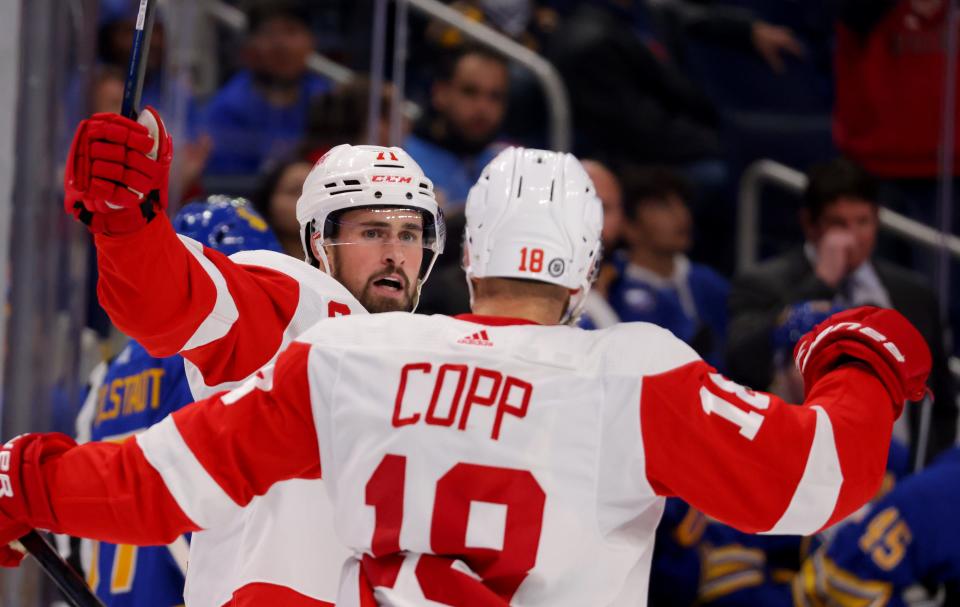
(744, 569)
(136, 392)
(909, 540)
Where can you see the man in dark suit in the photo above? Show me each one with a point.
(840, 221)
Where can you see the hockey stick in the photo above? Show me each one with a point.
(70, 583)
(137, 68)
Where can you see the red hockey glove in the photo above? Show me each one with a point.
(883, 339)
(23, 493)
(117, 172)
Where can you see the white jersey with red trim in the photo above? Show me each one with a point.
(231, 317)
(473, 463)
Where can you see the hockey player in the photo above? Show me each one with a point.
(908, 540)
(741, 569)
(498, 457)
(137, 390)
(371, 229)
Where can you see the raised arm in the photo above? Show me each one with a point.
(203, 462)
(171, 294)
(174, 295)
(760, 464)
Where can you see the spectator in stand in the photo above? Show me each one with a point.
(276, 201)
(261, 113)
(597, 313)
(889, 64)
(840, 222)
(890, 61)
(655, 281)
(611, 196)
(631, 101)
(340, 116)
(453, 141)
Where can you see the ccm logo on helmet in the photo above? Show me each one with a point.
(390, 179)
(889, 346)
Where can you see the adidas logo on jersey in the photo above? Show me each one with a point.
(479, 338)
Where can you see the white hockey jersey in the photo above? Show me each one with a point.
(484, 461)
(229, 317)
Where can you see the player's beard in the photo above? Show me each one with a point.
(374, 303)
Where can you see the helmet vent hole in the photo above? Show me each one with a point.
(520, 186)
(351, 182)
(390, 166)
(378, 194)
(539, 160)
(553, 182)
(330, 185)
(409, 196)
(424, 186)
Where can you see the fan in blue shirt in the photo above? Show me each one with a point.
(261, 113)
(654, 281)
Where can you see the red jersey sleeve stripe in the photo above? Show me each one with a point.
(110, 491)
(224, 313)
(174, 295)
(152, 287)
(760, 464)
(256, 435)
(816, 494)
(195, 491)
(256, 594)
(267, 301)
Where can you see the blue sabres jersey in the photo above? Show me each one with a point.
(692, 305)
(675, 571)
(746, 569)
(137, 391)
(910, 538)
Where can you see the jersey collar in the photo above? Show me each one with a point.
(494, 321)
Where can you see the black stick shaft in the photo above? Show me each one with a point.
(70, 583)
(137, 68)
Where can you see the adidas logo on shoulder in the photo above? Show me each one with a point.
(480, 338)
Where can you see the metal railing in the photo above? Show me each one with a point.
(236, 20)
(558, 100)
(769, 172)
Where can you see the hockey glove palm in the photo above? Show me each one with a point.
(881, 338)
(117, 171)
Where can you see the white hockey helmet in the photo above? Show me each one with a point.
(534, 214)
(363, 176)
